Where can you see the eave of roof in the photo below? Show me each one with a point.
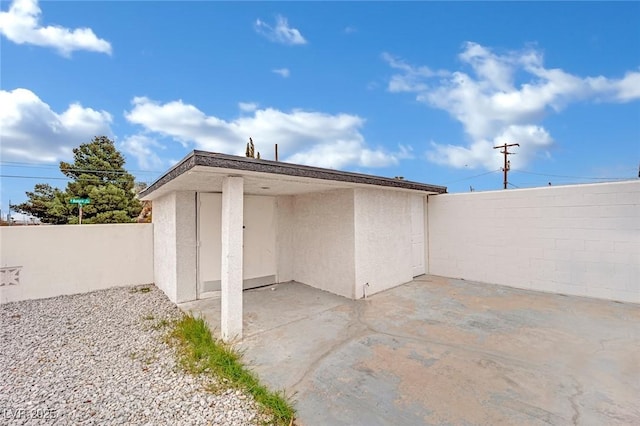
(233, 162)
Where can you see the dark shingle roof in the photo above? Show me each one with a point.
(225, 161)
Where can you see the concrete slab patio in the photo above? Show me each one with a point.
(443, 351)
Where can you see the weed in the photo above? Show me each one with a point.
(140, 290)
(200, 353)
(163, 323)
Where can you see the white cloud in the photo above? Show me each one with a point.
(247, 106)
(350, 30)
(412, 78)
(306, 137)
(144, 148)
(31, 130)
(280, 33)
(21, 24)
(282, 72)
(493, 108)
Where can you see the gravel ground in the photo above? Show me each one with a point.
(100, 358)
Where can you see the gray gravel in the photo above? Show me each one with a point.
(100, 358)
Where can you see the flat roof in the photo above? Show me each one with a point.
(233, 162)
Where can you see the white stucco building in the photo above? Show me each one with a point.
(224, 223)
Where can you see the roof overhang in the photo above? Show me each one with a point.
(204, 171)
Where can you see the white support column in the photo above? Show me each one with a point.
(231, 267)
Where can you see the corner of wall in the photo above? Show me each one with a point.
(285, 223)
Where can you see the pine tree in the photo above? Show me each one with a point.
(47, 204)
(97, 173)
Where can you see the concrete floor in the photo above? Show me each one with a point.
(443, 351)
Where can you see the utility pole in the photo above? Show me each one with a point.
(507, 163)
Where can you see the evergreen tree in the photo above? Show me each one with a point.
(46, 203)
(97, 173)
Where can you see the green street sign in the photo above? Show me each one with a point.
(80, 201)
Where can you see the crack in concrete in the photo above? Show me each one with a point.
(574, 404)
(350, 337)
(266, 330)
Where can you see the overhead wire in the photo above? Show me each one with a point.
(474, 176)
(48, 166)
(79, 179)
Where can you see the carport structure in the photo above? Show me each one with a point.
(226, 223)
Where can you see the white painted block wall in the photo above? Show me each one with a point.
(382, 240)
(174, 245)
(323, 241)
(70, 259)
(284, 238)
(581, 240)
(259, 214)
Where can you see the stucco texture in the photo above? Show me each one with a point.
(70, 259)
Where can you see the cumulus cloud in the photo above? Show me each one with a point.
(306, 137)
(32, 131)
(502, 98)
(247, 106)
(282, 72)
(281, 32)
(411, 78)
(144, 149)
(21, 24)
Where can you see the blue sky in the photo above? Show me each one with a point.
(422, 90)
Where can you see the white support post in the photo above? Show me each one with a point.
(231, 267)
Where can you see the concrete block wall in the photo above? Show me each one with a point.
(581, 240)
(259, 218)
(382, 240)
(47, 261)
(285, 235)
(174, 245)
(323, 241)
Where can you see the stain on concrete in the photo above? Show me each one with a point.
(444, 351)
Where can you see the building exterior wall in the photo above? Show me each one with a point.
(284, 238)
(382, 240)
(174, 245)
(259, 237)
(259, 218)
(209, 241)
(581, 240)
(49, 261)
(323, 241)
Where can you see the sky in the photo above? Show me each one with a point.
(423, 90)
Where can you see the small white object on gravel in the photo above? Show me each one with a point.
(100, 358)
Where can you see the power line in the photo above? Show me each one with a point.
(34, 177)
(58, 178)
(473, 177)
(48, 166)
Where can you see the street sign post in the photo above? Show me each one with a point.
(80, 202)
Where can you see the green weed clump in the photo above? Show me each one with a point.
(200, 353)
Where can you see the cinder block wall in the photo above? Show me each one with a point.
(382, 232)
(323, 241)
(174, 245)
(581, 240)
(46, 261)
